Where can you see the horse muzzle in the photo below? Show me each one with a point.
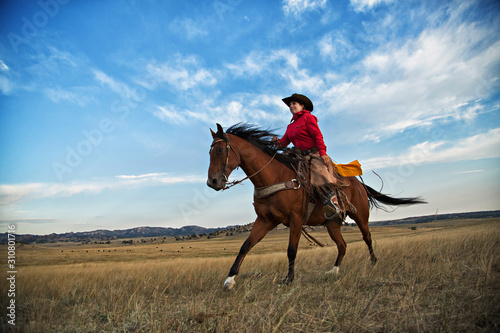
(216, 183)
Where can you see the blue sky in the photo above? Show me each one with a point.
(106, 106)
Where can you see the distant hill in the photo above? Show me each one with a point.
(105, 235)
(440, 217)
(192, 231)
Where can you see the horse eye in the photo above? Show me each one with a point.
(220, 150)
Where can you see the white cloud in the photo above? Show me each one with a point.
(6, 85)
(50, 64)
(76, 95)
(250, 107)
(182, 73)
(484, 145)
(142, 176)
(297, 7)
(169, 116)
(470, 171)
(336, 47)
(363, 5)
(173, 115)
(50, 70)
(118, 87)
(52, 60)
(278, 65)
(11, 193)
(303, 82)
(421, 81)
(377, 62)
(231, 112)
(187, 28)
(158, 178)
(257, 63)
(437, 76)
(3, 66)
(242, 107)
(57, 95)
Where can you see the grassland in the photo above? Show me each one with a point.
(442, 277)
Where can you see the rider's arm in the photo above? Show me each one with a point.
(284, 141)
(315, 133)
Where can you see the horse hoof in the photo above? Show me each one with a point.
(334, 271)
(229, 283)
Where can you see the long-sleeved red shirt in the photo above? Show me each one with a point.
(304, 133)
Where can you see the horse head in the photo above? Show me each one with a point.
(223, 160)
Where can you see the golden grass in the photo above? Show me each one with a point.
(443, 278)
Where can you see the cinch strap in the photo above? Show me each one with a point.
(266, 191)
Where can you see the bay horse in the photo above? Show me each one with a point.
(251, 148)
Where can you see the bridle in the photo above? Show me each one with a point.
(226, 163)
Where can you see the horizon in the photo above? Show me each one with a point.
(240, 225)
(106, 107)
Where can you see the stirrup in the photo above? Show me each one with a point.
(332, 213)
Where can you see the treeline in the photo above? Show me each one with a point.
(230, 231)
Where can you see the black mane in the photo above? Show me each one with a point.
(260, 138)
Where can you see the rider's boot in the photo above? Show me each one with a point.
(331, 209)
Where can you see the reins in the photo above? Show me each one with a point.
(231, 184)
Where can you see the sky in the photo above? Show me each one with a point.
(106, 106)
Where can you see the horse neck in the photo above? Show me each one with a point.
(253, 159)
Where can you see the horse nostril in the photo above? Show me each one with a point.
(214, 181)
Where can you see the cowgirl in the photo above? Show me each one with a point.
(304, 133)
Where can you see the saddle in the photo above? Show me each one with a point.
(299, 161)
(303, 170)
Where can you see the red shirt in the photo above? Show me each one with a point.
(304, 133)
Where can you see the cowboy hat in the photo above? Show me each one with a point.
(308, 105)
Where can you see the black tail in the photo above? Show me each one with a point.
(376, 199)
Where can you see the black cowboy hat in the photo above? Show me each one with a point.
(308, 105)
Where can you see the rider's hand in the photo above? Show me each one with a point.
(276, 142)
(326, 159)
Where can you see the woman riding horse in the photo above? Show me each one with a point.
(253, 150)
(303, 131)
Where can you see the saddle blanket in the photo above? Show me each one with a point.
(349, 170)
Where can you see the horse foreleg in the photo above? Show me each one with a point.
(259, 230)
(336, 236)
(293, 244)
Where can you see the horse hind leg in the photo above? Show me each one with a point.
(368, 241)
(367, 236)
(336, 235)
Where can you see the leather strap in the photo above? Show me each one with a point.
(266, 191)
(310, 208)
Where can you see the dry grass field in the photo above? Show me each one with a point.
(442, 277)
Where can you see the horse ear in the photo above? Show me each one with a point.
(213, 133)
(219, 129)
